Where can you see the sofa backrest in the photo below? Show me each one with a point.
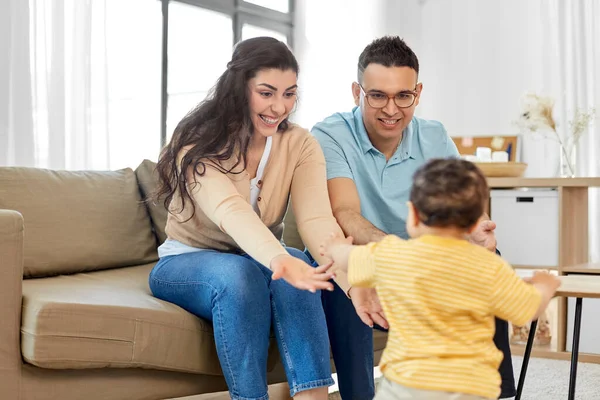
(78, 221)
(148, 180)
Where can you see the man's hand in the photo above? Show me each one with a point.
(368, 308)
(483, 234)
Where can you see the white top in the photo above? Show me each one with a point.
(173, 247)
(254, 186)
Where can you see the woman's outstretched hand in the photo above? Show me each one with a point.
(301, 275)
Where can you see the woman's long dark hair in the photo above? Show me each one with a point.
(220, 127)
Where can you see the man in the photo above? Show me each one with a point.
(371, 154)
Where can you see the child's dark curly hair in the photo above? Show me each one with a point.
(449, 193)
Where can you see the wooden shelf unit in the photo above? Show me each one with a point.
(515, 183)
(573, 253)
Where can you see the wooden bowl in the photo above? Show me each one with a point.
(502, 169)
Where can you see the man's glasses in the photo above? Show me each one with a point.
(380, 100)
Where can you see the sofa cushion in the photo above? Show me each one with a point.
(148, 181)
(110, 319)
(78, 220)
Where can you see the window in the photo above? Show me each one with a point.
(95, 83)
(108, 90)
(201, 35)
(250, 31)
(133, 76)
(200, 44)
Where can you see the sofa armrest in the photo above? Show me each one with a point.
(11, 281)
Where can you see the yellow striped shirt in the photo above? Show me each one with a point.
(440, 296)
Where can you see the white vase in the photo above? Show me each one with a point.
(541, 152)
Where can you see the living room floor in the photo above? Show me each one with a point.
(546, 380)
(549, 380)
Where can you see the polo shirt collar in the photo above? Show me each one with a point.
(361, 131)
(403, 151)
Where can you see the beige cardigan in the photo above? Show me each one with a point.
(225, 220)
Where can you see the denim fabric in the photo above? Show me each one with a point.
(237, 294)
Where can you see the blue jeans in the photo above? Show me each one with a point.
(352, 348)
(237, 294)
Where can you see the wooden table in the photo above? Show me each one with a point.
(580, 287)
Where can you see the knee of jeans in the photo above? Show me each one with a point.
(298, 254)
(247, 284)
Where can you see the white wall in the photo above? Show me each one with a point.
(328, 38)
(477, 57)
(403, 18)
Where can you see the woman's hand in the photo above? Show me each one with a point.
(301, 275)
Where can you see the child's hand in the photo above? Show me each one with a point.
(337, 249)
(546, 279)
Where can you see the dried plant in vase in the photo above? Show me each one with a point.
(537, 116)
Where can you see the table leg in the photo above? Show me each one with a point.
(575, 349)
(526, 356)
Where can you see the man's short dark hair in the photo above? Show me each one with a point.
(449, 193)
(389, 51)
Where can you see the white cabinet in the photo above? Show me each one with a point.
(527, 226)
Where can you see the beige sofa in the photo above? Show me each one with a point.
(77, 317)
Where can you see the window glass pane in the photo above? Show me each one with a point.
(277, 5)
(200, 45)
(133, 76)
(250, 31)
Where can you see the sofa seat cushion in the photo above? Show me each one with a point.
(110, 319)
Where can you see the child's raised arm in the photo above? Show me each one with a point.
(547, 284)
(520, 301)
(337, 249)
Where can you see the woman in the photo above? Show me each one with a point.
(227, 174)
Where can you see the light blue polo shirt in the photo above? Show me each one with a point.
(383, 187)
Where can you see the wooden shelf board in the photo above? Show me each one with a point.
(543, 182)
(589, 268)
(540, 267)
(587, 287)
